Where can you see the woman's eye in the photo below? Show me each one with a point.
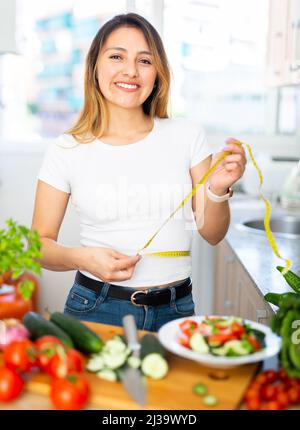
(147, 61)
(114, 56)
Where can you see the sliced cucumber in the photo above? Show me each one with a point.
(108, 375)
(134, 362)
(238, 347)
(154, 366)
(95, 363)
(210, 400)
(114, 346)
(229, 321)
(221, 351)
(200, 389)
(114, 361)
(198, 343)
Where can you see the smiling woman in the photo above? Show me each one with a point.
(126, 67)
(124, 142)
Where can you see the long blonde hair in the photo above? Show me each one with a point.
(93, 118)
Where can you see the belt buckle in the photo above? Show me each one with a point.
(133, 296)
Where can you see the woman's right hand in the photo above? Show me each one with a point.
(107, 264)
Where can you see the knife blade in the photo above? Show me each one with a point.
(132, 379)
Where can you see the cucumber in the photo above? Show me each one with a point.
(200, 389)
(198, 343)
(114, 361)
(229, 321)
(95, 363)
(154, 366)
(39, 326)
(134, 362)
(210, 400)
(85, 339)
(236, 348)
(291, 278)
(114, 347)
(108, 375)
(221, 351)
(150, 344)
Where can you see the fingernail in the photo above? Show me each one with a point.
(225, 148)
(230, 140)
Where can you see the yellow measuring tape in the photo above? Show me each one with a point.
(269, 233)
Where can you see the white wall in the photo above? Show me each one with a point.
(18, 172)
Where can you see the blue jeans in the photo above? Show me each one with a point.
(85, 304)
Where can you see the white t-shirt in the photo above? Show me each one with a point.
(124, 193)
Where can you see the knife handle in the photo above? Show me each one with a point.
(131, 334)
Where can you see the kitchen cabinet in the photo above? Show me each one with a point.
(283, 58)
(235, 292)
(8, 26)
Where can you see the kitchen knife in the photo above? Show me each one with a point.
(132, 379)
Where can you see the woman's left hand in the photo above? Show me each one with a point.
(229, 170)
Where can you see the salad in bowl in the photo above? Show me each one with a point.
(219, 341)
(221, 336)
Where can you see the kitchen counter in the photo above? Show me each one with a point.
(253, 249)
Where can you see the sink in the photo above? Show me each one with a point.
(283, 226)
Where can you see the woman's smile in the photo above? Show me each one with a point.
(127, 87)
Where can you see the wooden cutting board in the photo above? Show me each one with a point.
(173, 392)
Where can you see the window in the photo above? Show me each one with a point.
(218, 61)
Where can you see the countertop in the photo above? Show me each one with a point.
(253, 249)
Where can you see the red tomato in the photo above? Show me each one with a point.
(64, 362)
(252, 393)
(220, 339)
(20, 355)
(273, 406)
(184, 340)
(45, 342)
(261, 378)
(283, 400)
(254, 343)
(280, 388)
(76, 360)
(268, 392)
(188, 326)
(282, 374)
(47, 348)
(271, 375)
(253, 404)
(11, 384)
(292, 382)
(69, 393)
(237, 329)
(293, 394)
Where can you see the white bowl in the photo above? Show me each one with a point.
(168, 335)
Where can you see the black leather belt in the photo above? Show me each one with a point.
(145, 297)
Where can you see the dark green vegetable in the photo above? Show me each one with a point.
(276, 298)
(150, 344)
(85, 339)
(294, 353)
(39, 326)
(291, 278)
(287, 355)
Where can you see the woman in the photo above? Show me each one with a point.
(122, 153)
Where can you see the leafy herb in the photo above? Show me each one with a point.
(19, 250)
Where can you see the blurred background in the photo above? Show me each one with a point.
(235, 68)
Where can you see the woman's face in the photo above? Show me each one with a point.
(125, 59)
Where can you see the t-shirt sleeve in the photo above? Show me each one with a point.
(200, 148)
(54, 169)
